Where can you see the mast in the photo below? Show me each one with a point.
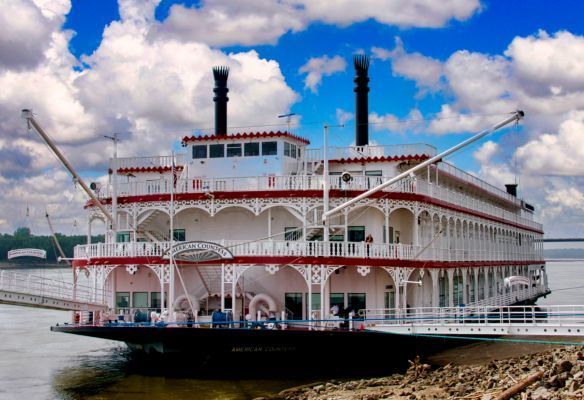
(31, 121)
(55, 240)
(517, 116)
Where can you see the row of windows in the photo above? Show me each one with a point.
(221, 150)
(138, 300)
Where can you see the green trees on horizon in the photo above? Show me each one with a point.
(22, 238)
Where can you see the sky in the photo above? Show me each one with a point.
(440, 71)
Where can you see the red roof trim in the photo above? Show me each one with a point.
(244, 135)
(313, 193)
(416, 157)
(129, 170)
(285, 260)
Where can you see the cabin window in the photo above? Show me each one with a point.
(315, 302)
(293, 150)
(122, 299)
(200, 151)
(179, 235)
(356, 234)
(293, 305)
(140, 299)
(251, 149)
(217, 150)
(337, 238)
(234, 150)
(123, 237)
(337, 299)
(269, 148)
(287, 149)
(155, 300)
(292, 233)
(356, 301)
(373, 173)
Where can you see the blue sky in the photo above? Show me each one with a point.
(440, 71)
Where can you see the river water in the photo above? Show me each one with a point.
(38, 364)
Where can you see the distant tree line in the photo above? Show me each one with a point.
(22, 238)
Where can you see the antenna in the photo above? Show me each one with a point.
(288, 119)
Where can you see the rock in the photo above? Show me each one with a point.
(562, 378)
(540, 393)
(573, 386)
(563, 366)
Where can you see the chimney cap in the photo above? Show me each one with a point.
(361, 62)
(221, 72)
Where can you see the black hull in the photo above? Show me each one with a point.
(252, 352)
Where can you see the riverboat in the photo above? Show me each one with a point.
(234, 250)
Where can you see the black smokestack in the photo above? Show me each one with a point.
(361, 90)
(512, 189)
(221, 74)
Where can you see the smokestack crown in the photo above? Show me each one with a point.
(361, 63)
(220, 73)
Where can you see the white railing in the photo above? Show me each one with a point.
(397, 150)
(150, 162)
(303, 182)
(295, 248)
(473, 315)
(451, 170)
(50, 288)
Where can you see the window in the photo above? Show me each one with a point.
(217, 150)
(385, 234)
(293, 150)
(373, 173)
(337, 238)
(287, 149)
(140, 299)
(356, 234)
(337, 299)
(269, 148)
(179, 235)
(122, 299)
(356, 301)
(123, 237)
(251, 149)
(200, 151)
(315, 302)
(293, 305)
(234, 150)
(155, 300)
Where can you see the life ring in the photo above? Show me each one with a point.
(262, 298)
(183, 303)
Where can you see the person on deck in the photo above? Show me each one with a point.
(368, 242)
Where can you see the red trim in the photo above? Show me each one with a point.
(284, 260)
(147, 169)
(356, 160)
(245, 135)
(312, 193)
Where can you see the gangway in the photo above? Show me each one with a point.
(40, 292)
(533, 320)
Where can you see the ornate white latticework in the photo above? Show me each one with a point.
(162, 272)
(131, 269)
(399, 274)
(363, 270)
(233, 272)
(272, 269)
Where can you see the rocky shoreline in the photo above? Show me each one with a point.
(552, 374)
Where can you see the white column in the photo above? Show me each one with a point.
(476, 284)
(415, 230)
(162, 297)
(309, 281)
(222, 287)
(486, 286)
(270, 225)
(233, 294)
(464, 287)
(435, 273)
(450, 273)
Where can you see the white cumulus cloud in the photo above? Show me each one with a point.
(317, 67)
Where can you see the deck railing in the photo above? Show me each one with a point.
(316, 182)
(150, 162)
(397, 150)
(278, 248)
(51, 288)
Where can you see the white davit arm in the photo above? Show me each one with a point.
(517, 115)
(27, 114)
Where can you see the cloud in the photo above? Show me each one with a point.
(252, 22)
(317, 67)
(425, 71)
(388, 122)
(412, 13)
(556, 154)
(486, 152)
(343, 116)
(26, 28)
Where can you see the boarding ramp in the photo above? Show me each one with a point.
(35, 291)
(548, 320)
